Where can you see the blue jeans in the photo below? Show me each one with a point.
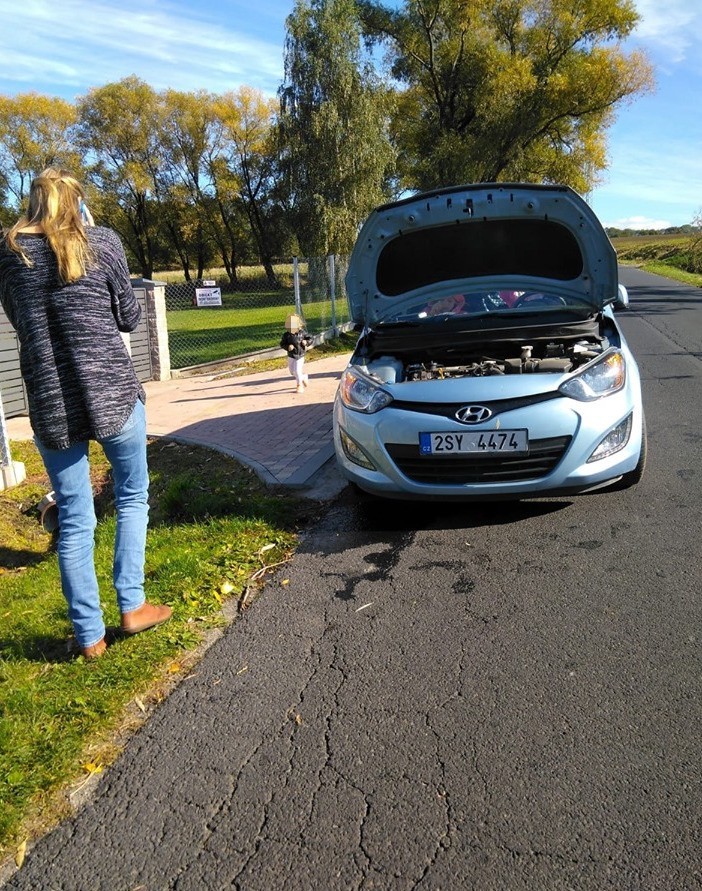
(69, 473)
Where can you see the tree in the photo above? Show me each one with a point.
(336, 155)
(36, 132)
(694, 245)
(119, 129)
(247, 120)
(225, 213)
(198, 199)
(184, 183)
(507, 89)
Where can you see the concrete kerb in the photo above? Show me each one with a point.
(310, 469)
(319, 479)
(294, 449)
(262, 472)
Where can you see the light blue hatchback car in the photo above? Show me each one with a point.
(490, 363)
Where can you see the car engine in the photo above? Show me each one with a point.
(552, 357)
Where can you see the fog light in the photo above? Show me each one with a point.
(613, 441)
(354, 452)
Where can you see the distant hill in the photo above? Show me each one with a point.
(687, 229)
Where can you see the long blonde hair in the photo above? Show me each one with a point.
(55, 198)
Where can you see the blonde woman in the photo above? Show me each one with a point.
(65, 287)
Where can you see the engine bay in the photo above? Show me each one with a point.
(550, 357)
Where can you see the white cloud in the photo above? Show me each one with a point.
(673, 29)
(637, 223)
(164, 44)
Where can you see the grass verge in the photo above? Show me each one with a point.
(679, 275)
(215, 531)
(666, 255)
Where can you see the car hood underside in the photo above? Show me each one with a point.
(493, 237)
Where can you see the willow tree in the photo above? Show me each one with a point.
(335, 151)
(507, 89)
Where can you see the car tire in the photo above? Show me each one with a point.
(634, 476)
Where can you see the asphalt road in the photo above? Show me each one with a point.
(466, 697)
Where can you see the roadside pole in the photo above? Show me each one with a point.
(296, 287)
(332, 293)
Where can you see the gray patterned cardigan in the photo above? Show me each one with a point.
(79, 376)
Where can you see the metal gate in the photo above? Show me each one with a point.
(138, 340)
(14, 396)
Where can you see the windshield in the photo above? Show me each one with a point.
(480, 303)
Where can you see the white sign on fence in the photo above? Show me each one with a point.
(208, 296)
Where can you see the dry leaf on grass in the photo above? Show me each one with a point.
(20, 854)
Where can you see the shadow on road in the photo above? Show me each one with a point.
(359, 512)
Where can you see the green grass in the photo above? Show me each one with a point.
(638, 243)
(196, 336)
(670, 271)
(214, 527)
(251, 318)
(344, 343)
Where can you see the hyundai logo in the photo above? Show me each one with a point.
(473, 414)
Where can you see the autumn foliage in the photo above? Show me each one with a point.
(375, 101)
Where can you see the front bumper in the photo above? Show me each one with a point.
(563, 433)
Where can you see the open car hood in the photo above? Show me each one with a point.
(492, 236)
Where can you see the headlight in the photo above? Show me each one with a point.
(601, 378)
(361, 393)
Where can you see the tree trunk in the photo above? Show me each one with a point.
(259, 233)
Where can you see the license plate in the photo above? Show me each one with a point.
(487, 442)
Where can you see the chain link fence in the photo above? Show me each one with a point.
(253, 309)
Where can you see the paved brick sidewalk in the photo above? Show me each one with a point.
(259, 419)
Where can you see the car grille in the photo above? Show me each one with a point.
(544, 455)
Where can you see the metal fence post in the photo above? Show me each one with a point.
(296, 287)
(11, 472)
(332, 292)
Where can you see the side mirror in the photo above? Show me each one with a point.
(621, 301)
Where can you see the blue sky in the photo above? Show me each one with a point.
(64, 47)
